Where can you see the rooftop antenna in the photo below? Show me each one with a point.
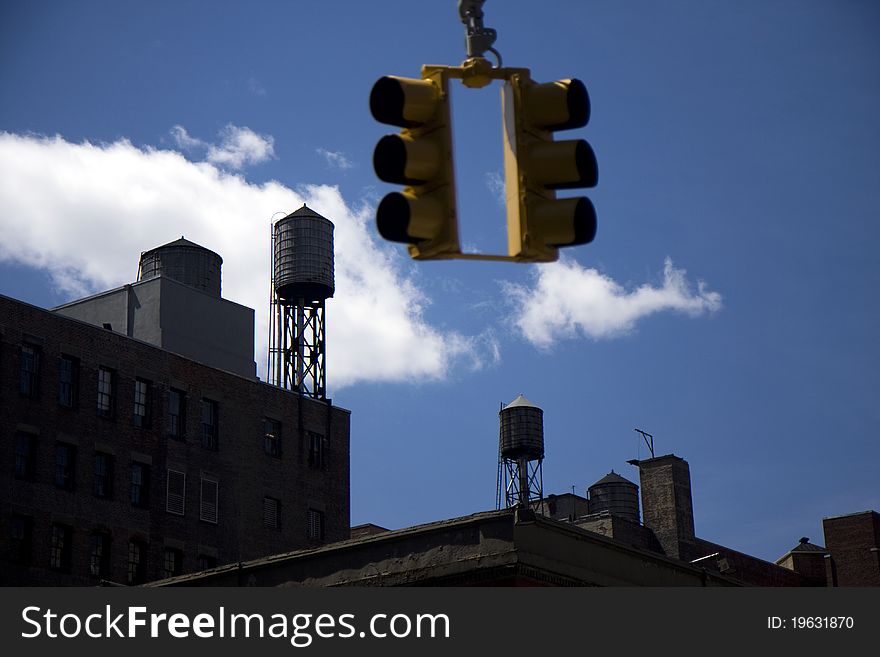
(649, 440)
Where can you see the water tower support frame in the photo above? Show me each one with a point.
(300, 365)
(520, 483)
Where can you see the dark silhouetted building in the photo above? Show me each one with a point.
(138, 444)
(566, 540)
(853, 544)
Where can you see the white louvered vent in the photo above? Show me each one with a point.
(175, 493)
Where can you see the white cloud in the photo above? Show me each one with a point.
(183, 139)
(335, 159)
(568, 301)
(240, 146)
(256, 87)
(85, 212)
(495, 183)
(484, 350)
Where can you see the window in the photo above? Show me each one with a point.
(68, 381)
(102, 481)
(209, 424)
(271, 513)
(207, 561)
(25, 456)
(316, 524)
(59, 549)
(65, 466)
(176, 413)
(106, 385)
(140, 484)
(172, 563)
(21, 529)
(316, 450)
(141, 417)
(99, 555)
(29, 383)
(137, 561)
(272, 437)
(209, 494)
(175, 489)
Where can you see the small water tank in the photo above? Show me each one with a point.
(185, 262)
(522, 430)
(303, 258)
(616, 495)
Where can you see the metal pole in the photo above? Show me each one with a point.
(522, 466)
(300, 329)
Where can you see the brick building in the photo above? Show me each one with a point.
(853, 543)
(131, 451)
(667, 527)
(567, 540)
(493, 548)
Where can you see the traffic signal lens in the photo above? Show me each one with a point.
(588, 168)
(392, 217)
(585, 222)
(578, 103)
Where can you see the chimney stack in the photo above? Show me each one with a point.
(667, 506)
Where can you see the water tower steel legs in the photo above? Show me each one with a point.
(520, 483)
(298, 349)
(299, 342)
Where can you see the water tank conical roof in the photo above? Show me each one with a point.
(185, 262)
(615, 495)
(303, 256)
(520, 401)
(522, 430)
(613, 478)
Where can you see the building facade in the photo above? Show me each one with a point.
(122, 461)
(495, 548)
(853, 545)
(567, 540)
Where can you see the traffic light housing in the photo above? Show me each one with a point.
(536, 166)
(423, 215)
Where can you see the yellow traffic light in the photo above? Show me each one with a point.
(536, 166)
(423, 215)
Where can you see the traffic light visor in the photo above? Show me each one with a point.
(563, 222)
(402, 217)
(563, 164)
(404, 160)
(404, 102)
(560, 105)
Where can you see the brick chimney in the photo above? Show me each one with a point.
(667, 506)
(854, 543)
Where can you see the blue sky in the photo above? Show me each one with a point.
(728, 304)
